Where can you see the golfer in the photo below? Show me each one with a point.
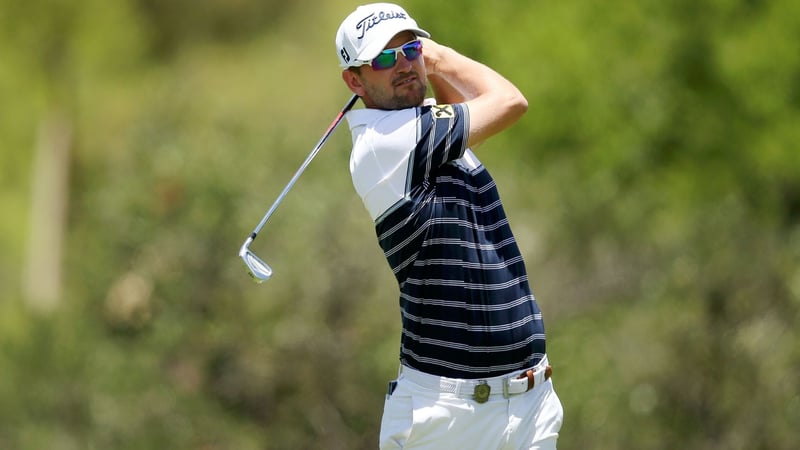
(474, 373)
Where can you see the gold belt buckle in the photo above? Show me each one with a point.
(482, 391)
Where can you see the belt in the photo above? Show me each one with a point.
(481, 389)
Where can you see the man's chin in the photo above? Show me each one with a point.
(413, 97)
(412, 102)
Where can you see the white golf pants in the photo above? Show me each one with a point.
(430, 412)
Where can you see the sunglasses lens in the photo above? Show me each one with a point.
(385, 60)
(412, 50)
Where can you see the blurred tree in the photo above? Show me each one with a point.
(44, 52)
(177, 24)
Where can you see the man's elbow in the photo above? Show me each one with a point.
(520, 104)
(516, 105)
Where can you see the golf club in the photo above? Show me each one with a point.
(256, 267)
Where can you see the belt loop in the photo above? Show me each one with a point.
(531, 380)
(458, 387)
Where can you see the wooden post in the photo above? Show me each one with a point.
(42, 284)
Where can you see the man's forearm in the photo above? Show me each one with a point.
(443, 91)
(438, 67)
(494, 102)
(455, 74)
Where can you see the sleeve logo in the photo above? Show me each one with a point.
(443, 111)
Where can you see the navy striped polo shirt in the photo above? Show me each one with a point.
(467, 308)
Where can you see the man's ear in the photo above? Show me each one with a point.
(353, 82)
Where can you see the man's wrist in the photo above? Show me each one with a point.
(431, 52)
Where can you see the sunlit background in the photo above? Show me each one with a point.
(654, 187)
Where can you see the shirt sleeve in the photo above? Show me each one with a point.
(443, 134)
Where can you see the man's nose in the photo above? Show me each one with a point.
(403, 63)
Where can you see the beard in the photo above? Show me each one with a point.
(407, 91)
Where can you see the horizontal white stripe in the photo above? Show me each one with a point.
(402, 223)
(467, 306)
(464, 285)
(448, 221)
(469, 187)
(467, 244)
(470, 205)
(468, 265)
(473, 328)
(405, 263)
(466, 223)
(475, 348)
(405, 242)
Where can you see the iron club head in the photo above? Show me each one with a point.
(256, 267)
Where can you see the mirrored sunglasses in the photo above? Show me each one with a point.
(388, 58)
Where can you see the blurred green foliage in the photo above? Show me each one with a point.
(654, 186)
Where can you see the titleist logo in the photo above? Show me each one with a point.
(373, 19)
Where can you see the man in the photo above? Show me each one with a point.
(474, 372)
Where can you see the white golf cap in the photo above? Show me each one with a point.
(367, 30)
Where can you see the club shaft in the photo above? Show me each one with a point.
(303, 167)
